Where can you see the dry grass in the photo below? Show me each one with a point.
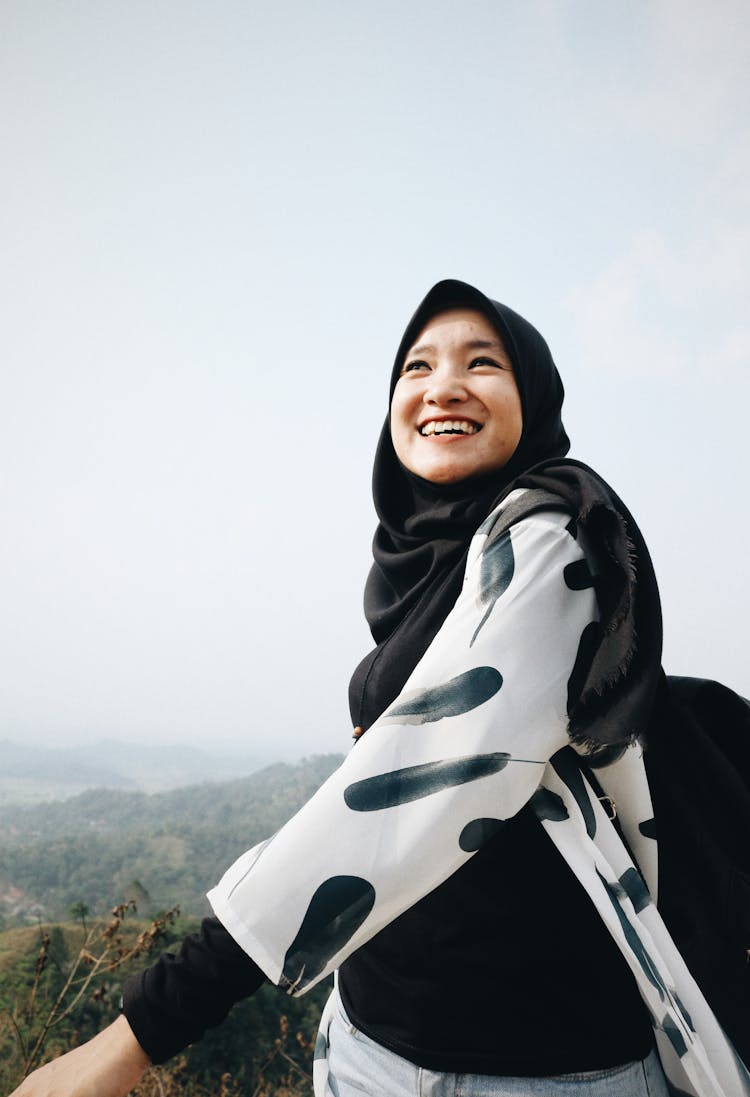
(43, 1019)
(92, 953)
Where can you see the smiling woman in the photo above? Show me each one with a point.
(494, 929)
(456, 410)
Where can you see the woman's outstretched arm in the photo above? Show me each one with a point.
(463, 747)
(109, 1065)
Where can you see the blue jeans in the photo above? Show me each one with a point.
(358, 1065)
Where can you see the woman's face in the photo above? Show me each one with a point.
(456, 411)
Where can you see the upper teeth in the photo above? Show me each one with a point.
(442, 426)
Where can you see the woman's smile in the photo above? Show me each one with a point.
(448, 428)
(456, 411)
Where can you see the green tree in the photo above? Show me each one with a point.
(78, 912)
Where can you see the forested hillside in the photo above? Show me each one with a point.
(106, 846)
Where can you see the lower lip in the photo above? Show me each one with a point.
(447, 437)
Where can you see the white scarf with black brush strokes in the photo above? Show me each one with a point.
(479, 730)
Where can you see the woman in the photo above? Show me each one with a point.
(492, 932)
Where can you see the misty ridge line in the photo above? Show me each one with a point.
(35, 774)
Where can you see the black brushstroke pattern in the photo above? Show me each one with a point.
(336, 911)
(648, 828)
(478, 833)
(684, 1012)
(635, 942)
(676, 1039)
(548, 805)
(321, 1047)
(588, 645)
(565, 764)
(578, 575)
(495, 573)
(636, 889)
(388, 790)
(461, 694)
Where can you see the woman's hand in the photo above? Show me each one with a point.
(107, 1066)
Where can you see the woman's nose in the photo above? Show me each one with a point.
(445, 387)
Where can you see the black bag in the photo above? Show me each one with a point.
(698, 765)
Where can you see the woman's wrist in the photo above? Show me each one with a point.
(121, 1040)
(109, 1065)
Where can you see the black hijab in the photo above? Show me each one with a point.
(424, 531)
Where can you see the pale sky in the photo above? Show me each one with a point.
(216, 219)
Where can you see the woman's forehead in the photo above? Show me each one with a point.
(457, 324)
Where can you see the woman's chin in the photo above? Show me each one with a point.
(444, 469)
(447, 474)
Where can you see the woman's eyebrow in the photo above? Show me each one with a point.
(484, 344)
(471, 344)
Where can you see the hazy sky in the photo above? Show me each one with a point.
(215, 221)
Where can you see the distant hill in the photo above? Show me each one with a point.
(34, 774)
(106, 845)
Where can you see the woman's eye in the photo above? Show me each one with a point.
(486, 362)
(410, 367)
